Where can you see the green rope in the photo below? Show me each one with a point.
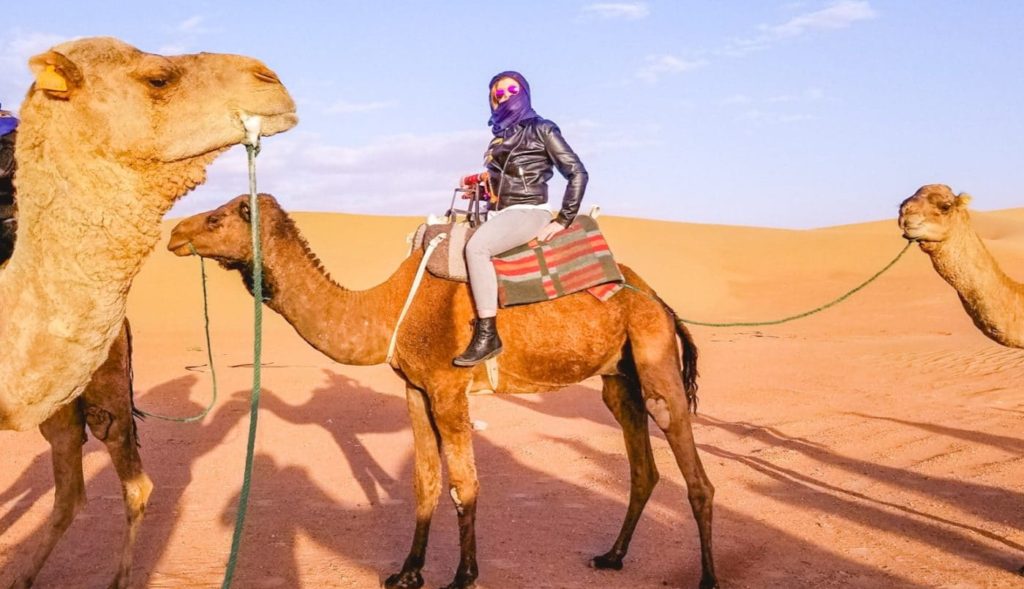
(254, 405)
(209, 356)
(805, 313)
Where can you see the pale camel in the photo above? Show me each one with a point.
(107, 407)
(630, 341)
(110, 137)
(938, 220)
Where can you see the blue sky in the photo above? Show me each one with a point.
(772, 113)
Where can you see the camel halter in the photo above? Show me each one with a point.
(412, 293)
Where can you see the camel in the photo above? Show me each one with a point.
(110, 137)
(939, 222)
(106, 408)
(630, 341)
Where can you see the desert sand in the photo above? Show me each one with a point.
(877, 444)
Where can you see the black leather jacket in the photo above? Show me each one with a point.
(519, 165)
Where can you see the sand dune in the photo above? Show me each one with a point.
(877, 444)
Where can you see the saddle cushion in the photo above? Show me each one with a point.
(576, 259)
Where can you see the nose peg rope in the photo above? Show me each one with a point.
(209, 355)
(252, 149)
(832, 303)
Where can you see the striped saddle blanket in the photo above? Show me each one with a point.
(576, 259)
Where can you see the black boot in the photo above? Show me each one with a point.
(485, 344)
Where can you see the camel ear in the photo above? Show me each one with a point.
(56, 75)
(244, 212)
(963, 199)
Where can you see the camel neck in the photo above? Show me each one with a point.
(993, 300)
(350, 327)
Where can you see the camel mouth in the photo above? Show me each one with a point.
(179, 247)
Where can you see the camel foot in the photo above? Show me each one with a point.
(607, 562)
(708, 583)
(404, 580)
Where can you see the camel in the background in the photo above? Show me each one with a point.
(106, 407)
(938, 220)
(110, 137)
(629, 340)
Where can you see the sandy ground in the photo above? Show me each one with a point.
(876, 445)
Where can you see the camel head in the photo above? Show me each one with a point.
(932, 214)
(145, 114)
(223, 234)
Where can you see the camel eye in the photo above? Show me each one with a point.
(158, 82)
(945, 206)
(213, 221)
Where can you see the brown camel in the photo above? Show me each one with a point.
(630, 341)
(938, 220)
(110, 137)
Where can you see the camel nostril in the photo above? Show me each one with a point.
(265, 75)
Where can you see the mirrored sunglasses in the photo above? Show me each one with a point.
(512, 91)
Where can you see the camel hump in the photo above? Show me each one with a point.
(576, 259)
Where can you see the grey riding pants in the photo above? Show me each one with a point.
(502, 232)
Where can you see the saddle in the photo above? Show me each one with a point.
(576, 259)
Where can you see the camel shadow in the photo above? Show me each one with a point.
(1004, 443)
(811, 494)
(93, 541)
(346, 410)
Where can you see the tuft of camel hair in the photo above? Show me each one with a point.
(939, 221)
(110, 137)
(645, 356)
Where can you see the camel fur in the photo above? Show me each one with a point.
(106, 409)
(939, 221)
(630, 341)
(110, 137)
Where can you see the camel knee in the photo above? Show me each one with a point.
(464, 496)
(136, 496)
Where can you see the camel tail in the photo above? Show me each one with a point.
(689, 358)
(690, 372)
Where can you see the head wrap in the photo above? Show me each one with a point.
(8, 122)
(514, 110)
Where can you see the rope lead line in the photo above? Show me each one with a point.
(257, 297)
(209, 356)
(805, 313)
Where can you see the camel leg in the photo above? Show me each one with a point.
(108, 412)
(65, 431)
(427, 483)
(622, 396)
(656, 355)
(452, 418)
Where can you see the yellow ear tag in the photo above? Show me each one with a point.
(50, 79)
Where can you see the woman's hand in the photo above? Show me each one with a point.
(549, 231)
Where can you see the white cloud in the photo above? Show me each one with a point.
(346, 107)
(657, 66)
(623, 10)
(190, 25)
(838, 15)
(409, 174)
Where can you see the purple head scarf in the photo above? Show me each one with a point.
(8, 122)
(514, 110)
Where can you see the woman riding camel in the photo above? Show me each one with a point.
(519, 162)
